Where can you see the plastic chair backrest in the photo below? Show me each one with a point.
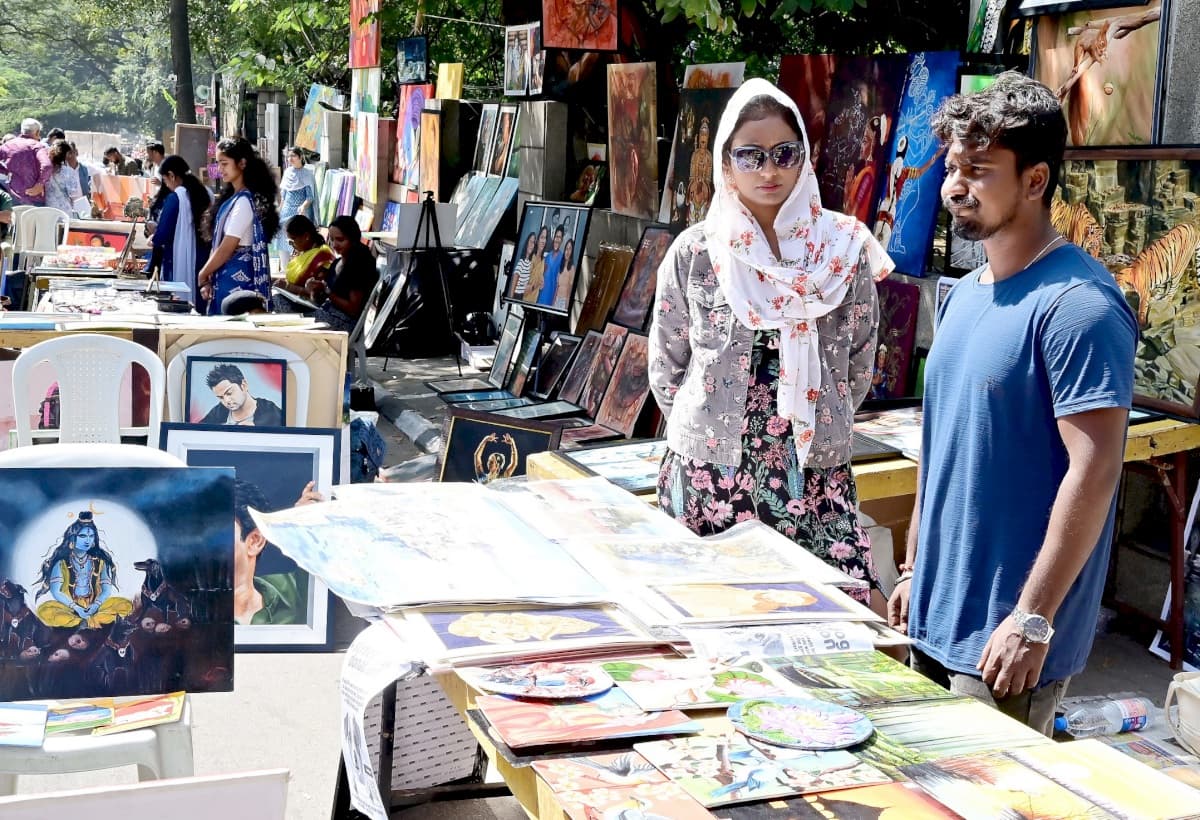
(15, 224)
(88, 367)
(239, 348)
(38, 230)
(357, 341)
(88, 455)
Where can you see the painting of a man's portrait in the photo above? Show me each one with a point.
(236, 392)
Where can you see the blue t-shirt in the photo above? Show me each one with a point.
(554, 263)
(1008, 360)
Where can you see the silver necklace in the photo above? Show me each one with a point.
(1035, 259)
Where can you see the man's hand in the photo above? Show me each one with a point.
(36, 190)
(309, 495)
(898, 606)
(1009, 663)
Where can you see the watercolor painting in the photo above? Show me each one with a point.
(628, 389)
(1104, 65)
(857, 679)
(647, 800)
(457, 629)
(800, 723)
(632, 139)
(889, 801)
(364, 33)
(605, 771)
(963, 727)
(656, 684)
(589, 26)
(115, 581)
(633, 305)
(797, 599)
(545, 680)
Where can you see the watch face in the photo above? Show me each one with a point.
(1036, 629)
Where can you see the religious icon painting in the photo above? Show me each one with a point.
(240, 392)
(589, 26)
(115, 581)
(482, 448)
(910, 199)
(899, 303)
(576, 376)
(276, 604)
(633, 305)
(449, 81)
(489, 116)
(628, 387)
(364, 33)
(412, 58)
(633, 139)
(604, 366)
(1104, 66)
(517, 66)
(688, 189)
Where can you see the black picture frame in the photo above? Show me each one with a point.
(506, 345)
(536, 217)
(468, 456)
(412, 60)
(554, 364)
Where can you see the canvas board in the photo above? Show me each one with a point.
(608, 277)
(364, 33)
(603, 367)
(569, 25)
(632, 139)
(628, 388)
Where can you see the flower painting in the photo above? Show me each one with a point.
(458, 629)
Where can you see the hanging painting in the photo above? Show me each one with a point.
(408, 133)
(632, 139)
(537, 59)
(115, 581)
(633, 306)
(550, 244)
(713, 75)
(366, 163)
(485, 448)
(589, 26)
(688, 189)
(364, 33)
(1139, 217)
(898, 306)
(517, 65)
(412, 58)
(808, 80)
(1104, 66)
(312, 124)
(431, 151)
(911, 196)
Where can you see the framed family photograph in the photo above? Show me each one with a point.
(483, 448)
(276, 604)
(236, 392)
(550, 245)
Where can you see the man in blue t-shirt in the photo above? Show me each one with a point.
(1027, 391)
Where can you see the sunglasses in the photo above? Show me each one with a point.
(785, 155)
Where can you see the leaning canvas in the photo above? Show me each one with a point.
(115, 581)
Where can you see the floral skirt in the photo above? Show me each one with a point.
(815, 507)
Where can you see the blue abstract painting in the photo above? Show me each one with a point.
(911, 193)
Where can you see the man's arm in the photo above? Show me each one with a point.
(45, 166)
(1095, 443)
(898, 602)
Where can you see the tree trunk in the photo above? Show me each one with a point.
(181, 62)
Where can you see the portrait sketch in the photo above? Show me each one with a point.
(236, 392)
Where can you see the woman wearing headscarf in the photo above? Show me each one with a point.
(761, 344)
(297, 193)
(240, 222)
(178, 248)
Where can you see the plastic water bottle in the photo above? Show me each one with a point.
(1109, 717)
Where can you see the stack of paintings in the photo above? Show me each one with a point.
(608, 785)
(755, 602)
(857, 679)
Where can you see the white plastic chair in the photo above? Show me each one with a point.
(89, 367)
(239, 348)
(39, 233)
(358, 337)
(159, 752)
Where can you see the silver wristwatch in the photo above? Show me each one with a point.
(1033, 628)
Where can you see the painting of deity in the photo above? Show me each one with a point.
(590, 25)
(899, 303)
(911, 195)
(115, 581)
(689, 183)
(632, 139)
(407, 168)
(364, 33)
(1104, 66)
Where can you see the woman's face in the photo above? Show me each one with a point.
(171, 181)
(770, 185)
(339, 242)
(569, 251)
(230, 168)
(302, 242)
(295, 161)
(543, 235)
(530, 244)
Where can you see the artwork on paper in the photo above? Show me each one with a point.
(1136, 216)
(531, 340)
(963, 727)
(366, 155)
(506, 129)
(944, 284)
(603, 367)
(576, 376)
(588, 26)
(651, 800)
(117, 240)
(629, 387)
(713, 75)
(547, 680)
(115, 581)
(633, 139)
(239, 392)
(412, 58)
(431, 153)
(409, 141)
(721, 769)
(550, 245)
(1104, 66)
(517, 60)
(23, 724)
(277, 604)
(610, 715)
(798, 600)
(808, 80)
(608, 277)
(483, 449)
(606, 771)
(510, 332)
(799, 723)
(312, 123)
(449, 81)
(632, 466)
(857, 679)
(656, 684)
(888, 801)
(688, 189)
(554, 365)
(898, 306)
(364, 33)
(488, 117)
(633, 305)
(860, 122)
(458, 629)
(910, 199)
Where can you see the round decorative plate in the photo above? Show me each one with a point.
(800, 723)
(549, 681)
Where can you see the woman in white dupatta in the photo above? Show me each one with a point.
(178, 247)
(762, 342)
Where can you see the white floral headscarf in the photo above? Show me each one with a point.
(819, 252)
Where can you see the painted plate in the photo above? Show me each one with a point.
(548, 681)
(800, 723)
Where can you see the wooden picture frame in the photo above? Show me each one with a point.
(477, 448)
(608, 277)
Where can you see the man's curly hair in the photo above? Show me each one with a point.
(1015, 112)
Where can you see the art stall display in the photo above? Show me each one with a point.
(550, 244)
(100, 238)
(713, 75)
(688, 187)
(554, 364)
(588, 27)
(277, 605)
(120, 198)
(502, 149)
(517, 60)
(488, 117)
(495, 198)
(236, 391)
(608, 278)
(1104, 65)
(449, 81)
(589, 508)
(364, 33)
(633, 139)
(483, 448)
(604, 364)
(409, 140)
(910, 199)
(857, 679)
(628, 388)
(632, 466)
(633, 305)
(412, 59)
(1139, 218)
(899, 303)
(115, 581)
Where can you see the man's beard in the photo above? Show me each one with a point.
(971, 230)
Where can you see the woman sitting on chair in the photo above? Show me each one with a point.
(353, 277)
(310, 255)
